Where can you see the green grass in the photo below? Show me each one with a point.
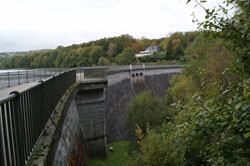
(119, 156)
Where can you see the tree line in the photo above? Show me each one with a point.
(106, 51)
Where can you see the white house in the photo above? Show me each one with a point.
(149, 51)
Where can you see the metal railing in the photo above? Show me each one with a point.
(8, 79)
(23, 116)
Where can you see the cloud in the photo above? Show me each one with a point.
(30, 24)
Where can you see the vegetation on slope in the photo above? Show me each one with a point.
(211, 98)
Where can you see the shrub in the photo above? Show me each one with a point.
(144, 110)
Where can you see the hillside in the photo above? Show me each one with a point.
(7, 54)
(106, 51)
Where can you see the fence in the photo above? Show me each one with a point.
(23, 117)
(8, 79)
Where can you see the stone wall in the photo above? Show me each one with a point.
(71, 147)
(159, 83)
(118, 98)
(62, 142)
(82, 129)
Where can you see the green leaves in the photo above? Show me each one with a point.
(126, 57)
(247, 135)
(238, 105)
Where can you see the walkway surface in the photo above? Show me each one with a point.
(6, 91)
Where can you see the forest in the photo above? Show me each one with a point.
(204, 119)
(119, 50)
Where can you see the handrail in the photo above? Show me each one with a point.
(23, 117)
(8, 79)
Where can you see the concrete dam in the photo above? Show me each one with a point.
(91, 113)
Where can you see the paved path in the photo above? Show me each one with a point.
(6, 91)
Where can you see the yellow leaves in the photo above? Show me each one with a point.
(138, 132)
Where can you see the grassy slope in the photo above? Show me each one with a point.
(119, 156)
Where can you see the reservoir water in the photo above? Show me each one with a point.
(4, 71)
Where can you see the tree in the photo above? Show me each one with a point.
(126, 57)
(95, 53)
(112, 49)
(234, 29)
(154, 43)
(128, 40)
(83, 56)
(103, 61)
(212, 128)
(138, 46)
(144, 110)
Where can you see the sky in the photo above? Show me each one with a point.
(45, 24)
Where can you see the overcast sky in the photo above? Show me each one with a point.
(39, 24)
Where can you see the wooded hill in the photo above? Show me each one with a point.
(106, 51)
(7, 54)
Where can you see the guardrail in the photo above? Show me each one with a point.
(12, 78)
(23, 116)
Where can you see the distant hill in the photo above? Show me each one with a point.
(7, 54)
(119, 50)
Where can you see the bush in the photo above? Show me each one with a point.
(205, 56)
(211, 129)
(145, 110)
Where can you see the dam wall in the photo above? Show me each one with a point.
(119, 94)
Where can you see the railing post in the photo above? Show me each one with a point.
(2, 142)
(27, 77)
(18, 140)
(8, 79)
(34, 76)
(18, 76)
(80, 74)
(143, 66)
(40, 71)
